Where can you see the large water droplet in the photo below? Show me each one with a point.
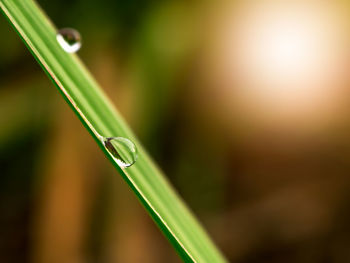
(123, 150)
(69, 39)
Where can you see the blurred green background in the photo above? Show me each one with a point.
(264, 194)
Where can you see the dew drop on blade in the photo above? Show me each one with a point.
(69, 39)
(123, 150)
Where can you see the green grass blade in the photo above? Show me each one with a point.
(99, 116)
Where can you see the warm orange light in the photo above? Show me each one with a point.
(285, 59)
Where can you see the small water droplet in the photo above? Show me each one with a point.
(123, 150)
(69, 39)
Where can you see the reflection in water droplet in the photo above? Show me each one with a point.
(123, 150)
(69, 39)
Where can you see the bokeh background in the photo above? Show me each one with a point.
(245, 106)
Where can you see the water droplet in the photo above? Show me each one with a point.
(69, 39)
(123, 150)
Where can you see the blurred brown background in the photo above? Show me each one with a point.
(245, 106)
